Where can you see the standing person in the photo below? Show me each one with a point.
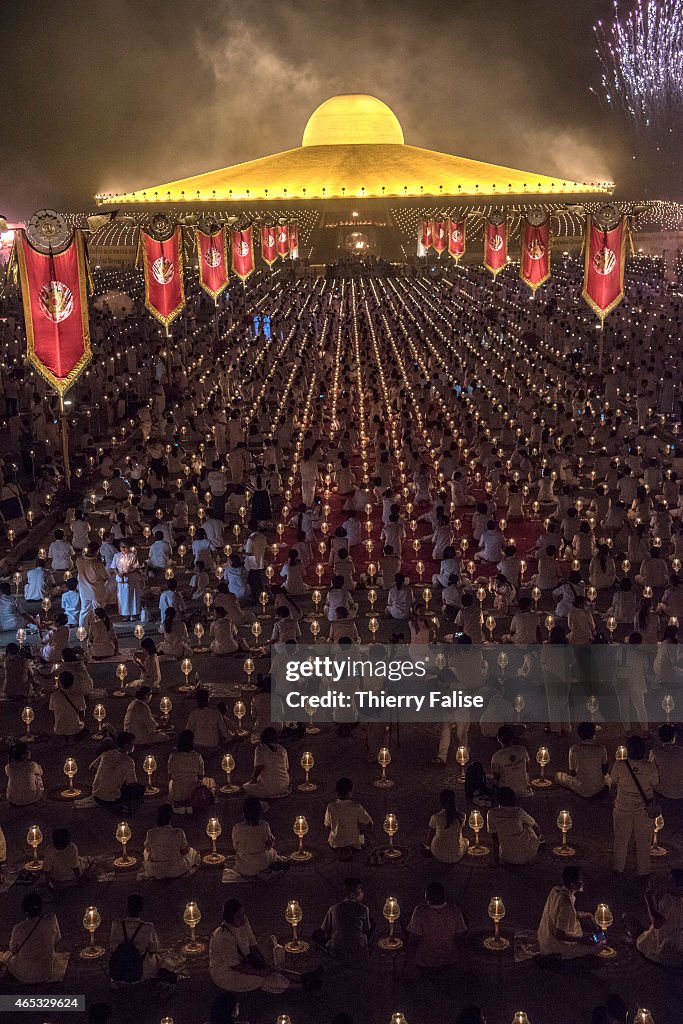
(255, 561)
(92, 580)
(635, 780)
(68, 708)
(128, 581)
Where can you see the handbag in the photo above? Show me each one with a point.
(652, 808)
(203, 795)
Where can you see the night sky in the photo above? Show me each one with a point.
(118, 95)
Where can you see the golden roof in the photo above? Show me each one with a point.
(353, 147)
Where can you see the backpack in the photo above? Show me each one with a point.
(126, 961)
(201, 798)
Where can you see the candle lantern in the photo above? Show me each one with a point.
(150, 766)
(391, 912)
(655, 849)
(476, 823)
(300, 829)
(121, 674)
(383, 760)
(604, 919)
(391, 828)
(564, 823)
(27, 717)
(192, 916)
(213, 831)
(228, 766)
(496, 911)
(543, 760)
(70, 770)
(294, 916)
(91, 922)
(462, 756)
(239, 712)
(307, 762)
(123, 836)
(34, 838)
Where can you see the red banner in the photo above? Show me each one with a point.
(164, 284)
(426, 234)
(495, 246)
(282, 240)
(534, 266)
(53, 290)
(242, 244)
(604, 264)
(294, 241)
(439, 236)
(456, 238)
(213, 261)
(268, 244)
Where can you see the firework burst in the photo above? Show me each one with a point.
(642, 60)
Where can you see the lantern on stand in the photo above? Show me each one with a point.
(391, 912)
(383, 760)
(228, 766)
(307, 762)
(496, 911)
(294, 916)
(91, 922)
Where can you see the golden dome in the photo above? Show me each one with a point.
(353, 119)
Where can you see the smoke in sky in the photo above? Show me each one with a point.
(115, 95)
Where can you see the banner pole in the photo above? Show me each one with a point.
(601, 344)
(65, 443)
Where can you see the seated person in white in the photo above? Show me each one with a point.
(253, 842)
(62, 864)
(662, 940)
(24, 777)
(167, 853)
(446, 841)
(185, 770)
(587, 764)
(141, 722)
(235, 961)
(346, 819)
(31, 957)
(510, 764)
(206, 723)
(271, 768)
(560, 932)
(516, 837)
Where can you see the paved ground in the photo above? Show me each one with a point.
(373, 992)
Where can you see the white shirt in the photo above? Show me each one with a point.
(344, 818)
(60, 554)
(559, 914)
(587, 759)
(113, 770)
